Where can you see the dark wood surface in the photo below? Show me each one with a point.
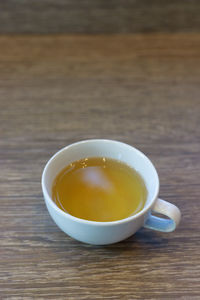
(55, 90)
(99, 16)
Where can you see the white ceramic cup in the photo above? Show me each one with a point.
(102, 233)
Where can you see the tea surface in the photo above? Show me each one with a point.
(99, 189)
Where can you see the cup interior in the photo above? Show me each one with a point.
(103, 148)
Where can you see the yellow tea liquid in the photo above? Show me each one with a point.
(99, 189)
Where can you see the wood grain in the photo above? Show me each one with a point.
(99, 16)
(55, 90)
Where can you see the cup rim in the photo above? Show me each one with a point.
(48, 199)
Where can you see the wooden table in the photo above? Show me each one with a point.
(140, 89)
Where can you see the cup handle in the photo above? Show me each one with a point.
(160, 224)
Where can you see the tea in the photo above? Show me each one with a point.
(99, 189)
